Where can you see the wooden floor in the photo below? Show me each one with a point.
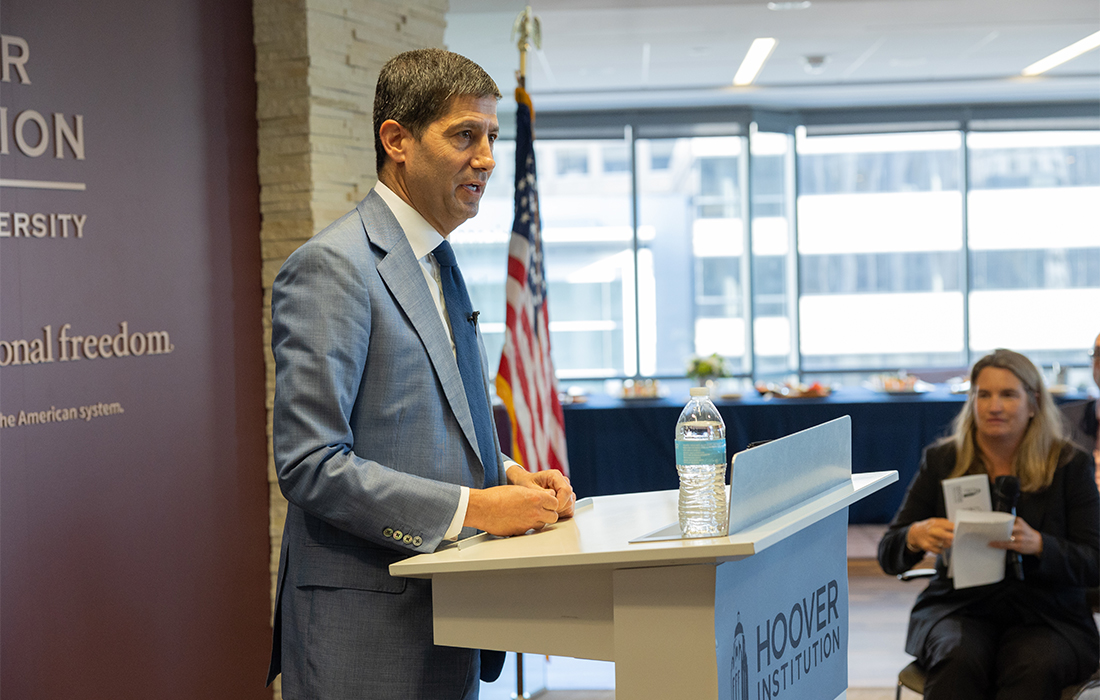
(878, 615)
(853, 694)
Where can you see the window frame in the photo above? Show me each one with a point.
(633, 125)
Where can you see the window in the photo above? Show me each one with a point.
(587, 244)
(1034, 242)
(660, 154)
(691, 270)
(880, 242)
(870, 252)
(773, 260)
(569, 161)
(616, 158)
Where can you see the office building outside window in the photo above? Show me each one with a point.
(870, 252)
(585, 208)
(774, 265)
(880, 241)
(1034, 235)
(692, 239)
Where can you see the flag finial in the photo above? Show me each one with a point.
(529, 30)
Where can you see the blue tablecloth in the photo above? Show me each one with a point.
(618, 446)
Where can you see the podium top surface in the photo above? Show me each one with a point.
(600, 533)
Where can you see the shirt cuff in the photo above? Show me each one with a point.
(460, 514)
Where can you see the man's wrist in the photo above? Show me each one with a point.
(459, 518)
(513, 477)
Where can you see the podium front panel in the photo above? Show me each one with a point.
(781, 618)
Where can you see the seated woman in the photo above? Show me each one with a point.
(1024, 638)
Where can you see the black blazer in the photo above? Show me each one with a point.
(1067, 514)
(1081, 423)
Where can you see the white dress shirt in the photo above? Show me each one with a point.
(424, 239)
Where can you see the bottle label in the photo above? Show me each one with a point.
(701, 451)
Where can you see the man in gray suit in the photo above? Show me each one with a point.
(382, 440)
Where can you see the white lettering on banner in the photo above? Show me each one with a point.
(60, 415)
(15, 54)
(29, 130)
(76, 347)
(20, 132)
(33, 142)
(40, 225)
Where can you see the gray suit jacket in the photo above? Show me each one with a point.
(372, 438)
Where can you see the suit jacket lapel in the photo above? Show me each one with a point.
(402, 274)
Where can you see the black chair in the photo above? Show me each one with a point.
(913, 676)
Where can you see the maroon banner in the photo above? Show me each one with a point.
(133, 494)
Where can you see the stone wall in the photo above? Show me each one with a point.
(317, 62)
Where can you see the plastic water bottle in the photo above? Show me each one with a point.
(701, 463)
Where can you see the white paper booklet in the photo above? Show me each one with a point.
(974, 561)
(966, 493)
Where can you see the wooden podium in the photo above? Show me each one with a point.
(761, 613)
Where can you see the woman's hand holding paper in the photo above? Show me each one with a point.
(932, 535)
(1025, 539)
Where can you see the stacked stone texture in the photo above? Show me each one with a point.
(317, 62)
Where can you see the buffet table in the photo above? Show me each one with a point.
(626, 446)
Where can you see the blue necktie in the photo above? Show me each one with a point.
(464, 327)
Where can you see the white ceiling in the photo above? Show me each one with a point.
(605, 54)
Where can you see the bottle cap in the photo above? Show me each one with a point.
(699, 391)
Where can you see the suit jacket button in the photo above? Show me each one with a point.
(388, 532)
(407, 539)
(397, 535)
(417, 541)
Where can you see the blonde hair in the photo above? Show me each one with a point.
(1039, 451)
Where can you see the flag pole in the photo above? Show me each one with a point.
(529, 30)
(526, 383)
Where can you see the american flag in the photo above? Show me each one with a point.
(526, 382)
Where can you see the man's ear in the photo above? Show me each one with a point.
(395, 139)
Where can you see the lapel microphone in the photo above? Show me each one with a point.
(472, 318)
(1006, 492)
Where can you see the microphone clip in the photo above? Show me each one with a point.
(472, 318)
